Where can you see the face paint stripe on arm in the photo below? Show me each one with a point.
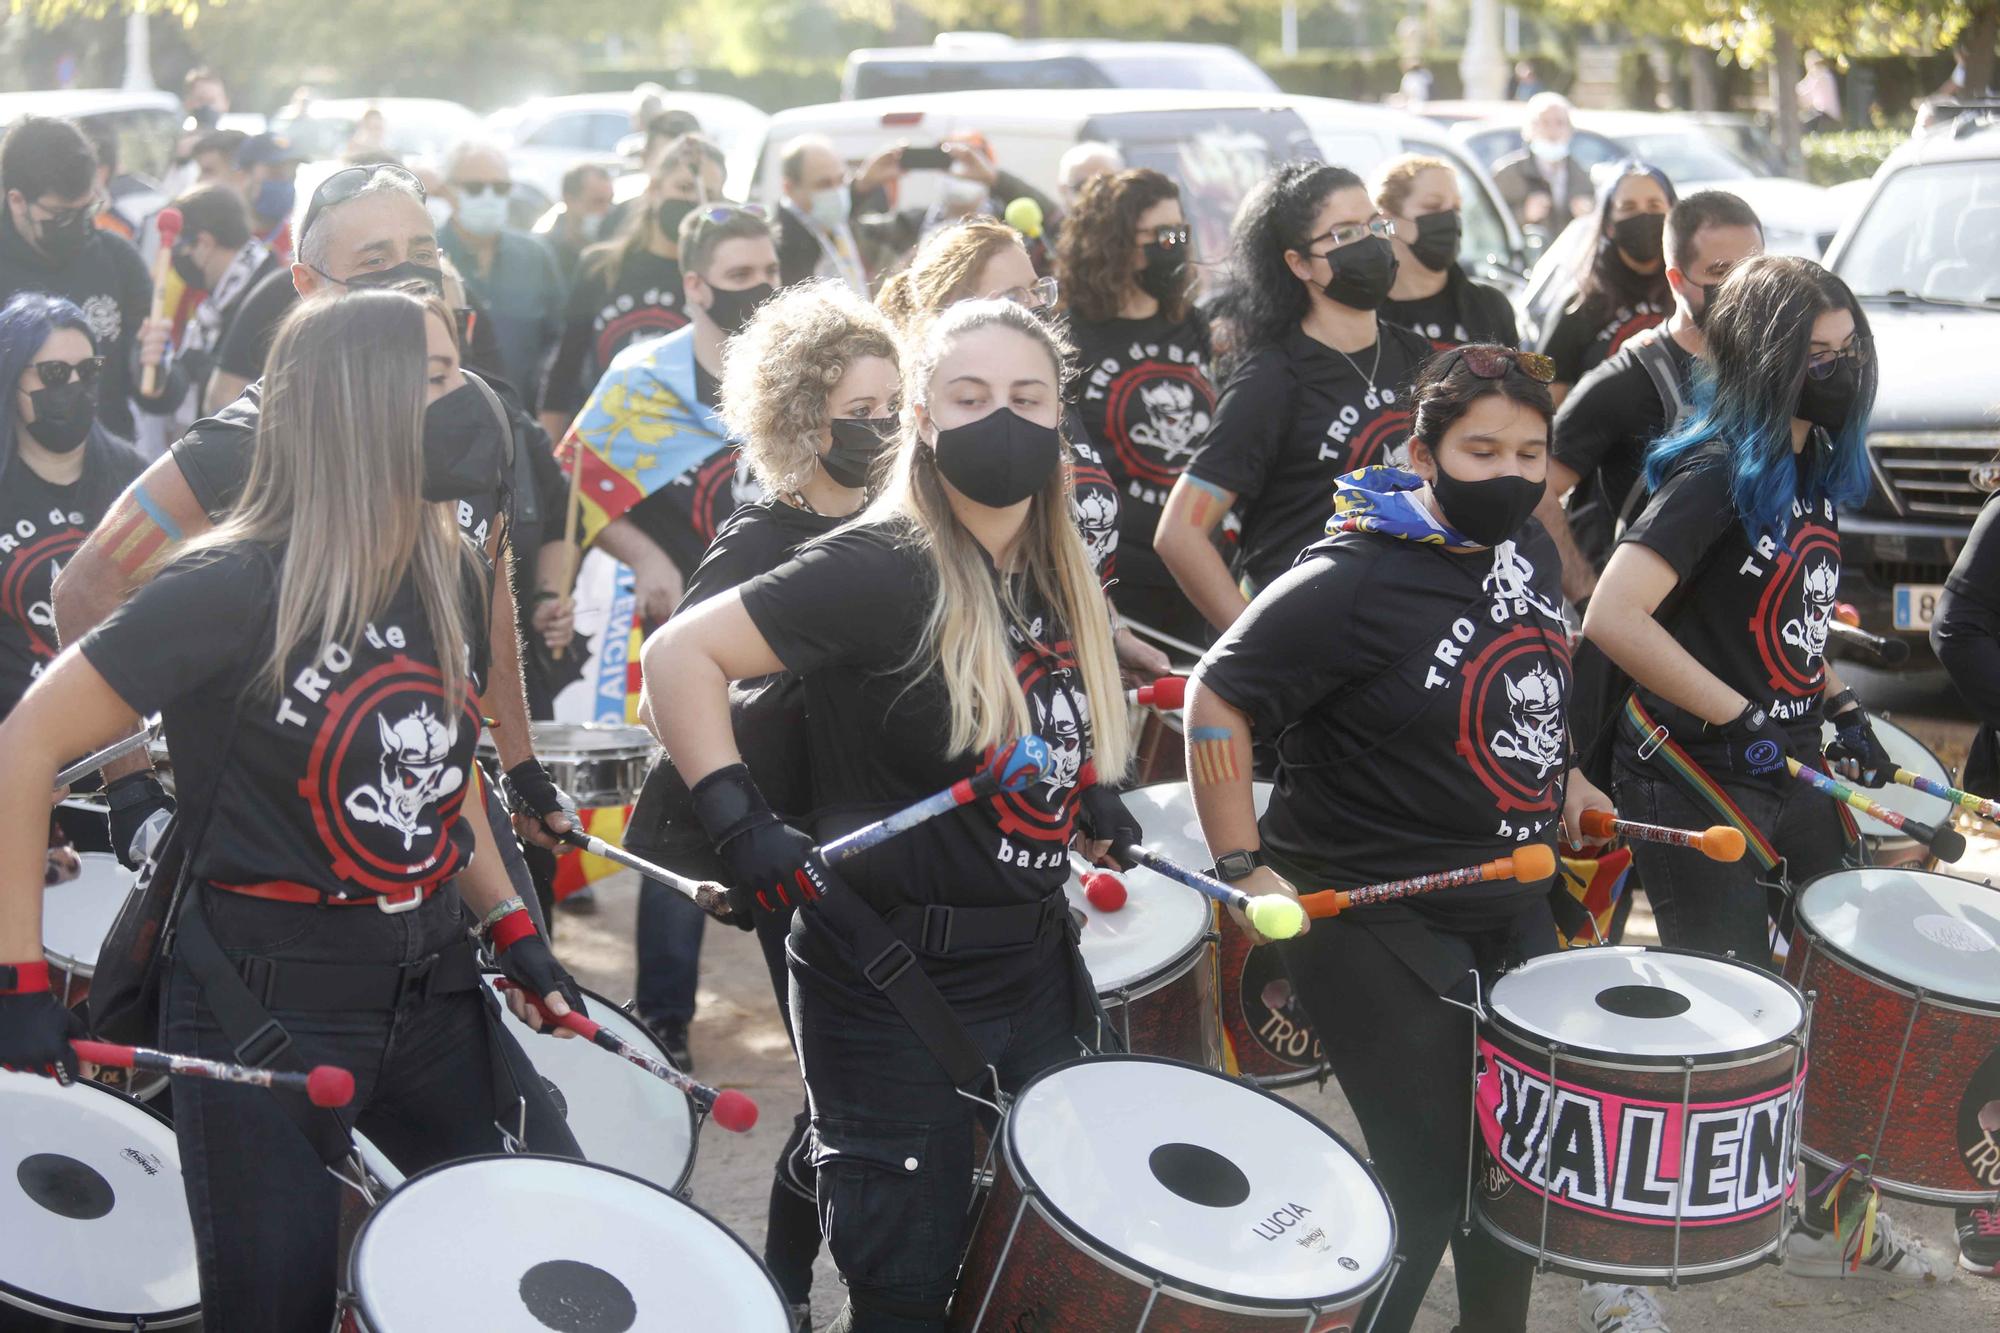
(1208, 506)
(1214, 753)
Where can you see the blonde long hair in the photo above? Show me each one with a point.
(335, 475)
(965, 638)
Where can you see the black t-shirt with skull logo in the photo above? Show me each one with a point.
(683, 516)
(1295, 416)
(1755, 614)
(1142, 392)
(350, 780)
(1583, 339)
(1418, 701)
(41, 526)
(1093, 503)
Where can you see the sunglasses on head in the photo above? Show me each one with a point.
(344, 184)
(1492, 363)
(721, 213)
(56, 374)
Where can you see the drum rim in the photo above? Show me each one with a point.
(631, 750)
(36, 1303)
(1120, 1262)
(1900, 985)
(1906, 1190)
(1716, 1060)
(1647, 1274)
(352, 1293)
(1167, 973)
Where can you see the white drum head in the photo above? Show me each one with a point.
(1910, 753)
(1214, 1187)
(1912, 926)
(527, 1244)
(92, 1206)
(1160, 921)
(77, 914)
(1166, 811)
(1646, 1004)
(621, 1115)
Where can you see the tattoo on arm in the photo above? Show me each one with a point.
(1213, 750)
(144, 538)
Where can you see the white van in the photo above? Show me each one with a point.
(1215, 145)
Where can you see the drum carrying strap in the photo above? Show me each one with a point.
(1655, 741)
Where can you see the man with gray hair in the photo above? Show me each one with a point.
(509, 275)
(1082, 163)
(818, 208)
(1542, 182)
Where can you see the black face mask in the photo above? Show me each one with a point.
(1829, 402)
(62, 416)
(1438, 237)
(1708, 291)
(189, 271)
(462, 446)
(731, 310)
(1639, 236)
(407, 271)
(857, 443)
(63, 242)
(1165, 272)
(670, 214)
(1000, 459)
(1363, 273)
(1489, 511)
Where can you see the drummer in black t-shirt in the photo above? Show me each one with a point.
(1413, 670)
(1431, 294)
(1621, 287)
(1717, 602)
(1141, 387)
(1323, 387)
(316, 663)
(958, 613)
(809, 389)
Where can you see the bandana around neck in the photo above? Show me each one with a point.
(1389, 500)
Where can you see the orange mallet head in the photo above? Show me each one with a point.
(1719, 842)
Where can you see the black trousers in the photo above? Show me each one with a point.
(265, 1209)
(1404, 1059)
(791, 1217)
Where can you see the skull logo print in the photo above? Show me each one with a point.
(416, 773)
(1535, 731)
(1807, 631)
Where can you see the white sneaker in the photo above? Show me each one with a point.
(1608, 1307)
(1895, 1257)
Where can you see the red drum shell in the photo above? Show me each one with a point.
(1270, 1047)
(1173, 1012)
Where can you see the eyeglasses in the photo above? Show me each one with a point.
(1492, 363)
(1349, 232)
(56, 374)
(1037, 295)
(61, 218)
(474, 189)
(1823, 365)
(344, 184)
(1167, 236)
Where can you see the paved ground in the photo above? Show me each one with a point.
(739, 1042)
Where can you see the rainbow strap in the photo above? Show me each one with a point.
(1694, 779)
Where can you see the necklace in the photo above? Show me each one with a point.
(799, 501)
(1377, 365)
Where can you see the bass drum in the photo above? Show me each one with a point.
(1885, 846)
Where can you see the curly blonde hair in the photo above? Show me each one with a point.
(777, 373)
(944, 271)
(1398, 176)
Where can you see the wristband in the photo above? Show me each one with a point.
(513, 904)
(512, 929)
(1835, 706)
(24, 978)
(134, 789)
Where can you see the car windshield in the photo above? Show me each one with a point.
(1688, 156)
(1932, 233)
(1212, 71)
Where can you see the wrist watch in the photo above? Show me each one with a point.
(1232, 866)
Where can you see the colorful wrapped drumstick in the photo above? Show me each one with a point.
(1273, 915)
(1964, 800)
(1528, 865)
(1718, 842)
(323, 1085)
(1947, 843)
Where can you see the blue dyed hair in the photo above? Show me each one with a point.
(1604, 279)
(1759, 333)
(25, 325)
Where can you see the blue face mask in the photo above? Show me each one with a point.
(275, 199)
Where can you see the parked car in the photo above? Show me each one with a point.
(1923, 255)
(144, 126)
(420, 130)
(1215, 145)
(962, 62)
(546, 137)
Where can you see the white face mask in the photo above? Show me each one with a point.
(962, 192)
(439, 209)
(831, 207)
(591, 226)
(482, 214)
(1547, 151)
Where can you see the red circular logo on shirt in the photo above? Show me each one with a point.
(1511, 718)
(1058, 712)
(381, 781)
(26, 588)
(621, 324)
(1636, 322)
(1385, 432)
(1790, 627)
(722, 485)
(1156, 414)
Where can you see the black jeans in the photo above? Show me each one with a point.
(791, 1217)
(1404, 1059)
(892, 1140)
(265, 1209)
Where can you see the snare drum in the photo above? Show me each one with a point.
(1153, 965)
(76, 916)
(1885, 846)
(1906, 1032)
(93, 1209)
(1637, 1113)
(621, 1115)
(559, 1245)
(1142, 1193)
(601, 765)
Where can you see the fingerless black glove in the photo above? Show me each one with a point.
(134, 799)
(35, 1029)
(1101, 814)
(772, 867)
(1756, 745)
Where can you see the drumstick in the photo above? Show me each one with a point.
(324, 1085)
(1964, 800)
(1947, 842)
(1168, 693)
(1105, 889)
(571, 556)
(1026, 760)
(1272, 915)
(733, 1110)
(1718, 842)
(90, 763)
(1530, 864)
(709, 896)
(169, 223)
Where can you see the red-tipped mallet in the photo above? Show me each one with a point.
(1104, 888)
(1718, 842)
(733, 1110)
(169, 223)
(1530, 865)
(1168, 694)
(323, 1085)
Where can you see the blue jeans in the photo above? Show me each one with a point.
(265, 1209)
(669, 949)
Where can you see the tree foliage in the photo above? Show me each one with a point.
(1744, 31)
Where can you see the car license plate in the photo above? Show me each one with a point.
(1916, 604)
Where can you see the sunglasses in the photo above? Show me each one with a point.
(1826, 364)
(61, 218)
(344, 184)
(56, 374)
(1037, 295)
(1168, 236)
(474, 189)
(1492, 363)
